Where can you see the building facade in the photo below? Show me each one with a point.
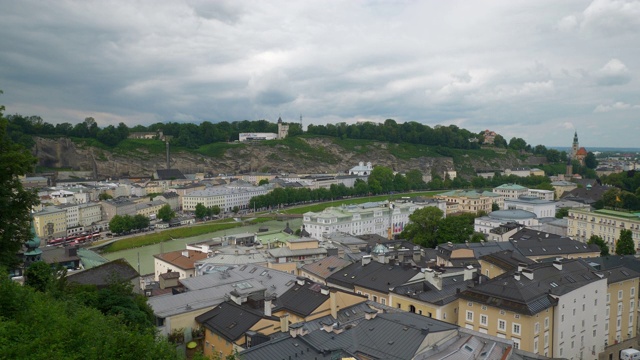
(582, 224)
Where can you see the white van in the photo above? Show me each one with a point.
(629, 354)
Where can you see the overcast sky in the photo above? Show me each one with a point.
(533, 69)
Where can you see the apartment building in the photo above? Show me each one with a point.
(50, 222)
(582, 224)
(542, 208)
(511, 191)
(472, 201)
(226, 198)
(89, 213)
(384, 219)
(557, 309)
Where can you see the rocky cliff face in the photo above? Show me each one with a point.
(313, 155)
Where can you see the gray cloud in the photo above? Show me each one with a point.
(524, 70)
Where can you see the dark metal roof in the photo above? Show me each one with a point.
(532, 296)
(507, 260)
(531, 242)
(231, 320)
(302, 299)
(374, 276)
(102, 275)
(170, 174)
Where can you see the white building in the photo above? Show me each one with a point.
(511, 191)
(361, 169)
(383, 219)
(484, 224)
(224, 197)
(542, 208)
(89, 214)
(257, 136)
(542, 194)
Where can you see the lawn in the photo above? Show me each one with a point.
(177, 233)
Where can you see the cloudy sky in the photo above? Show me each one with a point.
(534, 69)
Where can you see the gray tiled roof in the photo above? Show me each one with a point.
(101, 275)
(536, 243)
(301, 299)
(532, 296)
(231, 320)
(374, 276)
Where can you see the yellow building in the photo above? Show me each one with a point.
(472, 201)
(558, 309)
(582, 224)
(295, 252)
(50, 222)
(149, 208)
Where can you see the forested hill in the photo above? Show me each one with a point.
(322, 148)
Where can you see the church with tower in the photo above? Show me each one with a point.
(577, 153)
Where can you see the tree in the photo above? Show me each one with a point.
(201, 211)
(455, 229)
(477, 237)
(235, 209)
(495, 207)
(604, 249)
(625, 244)
(166, 213)
(263, 182)
(381, 179)
(16, 202)
(214, 210)
(119, 224)
(562, 213)
(590, 160)
(104, 196)
(39, 276)
(422, 226)
(140, 221)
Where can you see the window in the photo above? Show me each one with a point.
(484, 307)
(595, 302)
(631, 304)
(608, 298)
(536, 329)
(619, 309)
(633, 291)
(483, 320)
(574, 312)
(546, 340)
(562, 317)
(619, 294)
(383, 301)
(535, 345)
(516, 329)
(546, 322)
(516, 343)
(502, 325)
(469, 315)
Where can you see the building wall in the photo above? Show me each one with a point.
(377, 296)
(520, 328)
(627, 316)
(490, 270)
(579, 332)
(58, 219)
(161, 267)
(89, 214)
(582, 224)
(426, 309)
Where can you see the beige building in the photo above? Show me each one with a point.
(181, 261)
(89, 214)
(149, 208)
(50, 222)
(472, 201)
(295, 253)
(582, 224)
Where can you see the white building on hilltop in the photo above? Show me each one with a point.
(384, 219)
(361, 169)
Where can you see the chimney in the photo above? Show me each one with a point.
(284, 323)
(366, 259)
(370, 314)
(327, 326)
(338, 329)
(528, 273)
(521, 266)
(416, 255)
(296, 330)
(300, 280)
(557, 264)
(324, 290)
(333, 303)
(516, 276)
(400, 256)
(428, 274)
(468, 272)
(267, 305)
(185, 253)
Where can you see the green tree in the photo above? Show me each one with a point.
(455, 229)
(604, 249)
(104, 196)
(562, 213)
(381, 179)
(400, 183)
(16, 202)
(625, 244)
(590, 161)
(140, 221)
(477, 237)
(263, 182)
(214, 210)
(495, 207)
(166, 213)
(39, 276)
(235, 209)
(423, 226)
(201, 211)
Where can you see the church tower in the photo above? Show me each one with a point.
(575, 146)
